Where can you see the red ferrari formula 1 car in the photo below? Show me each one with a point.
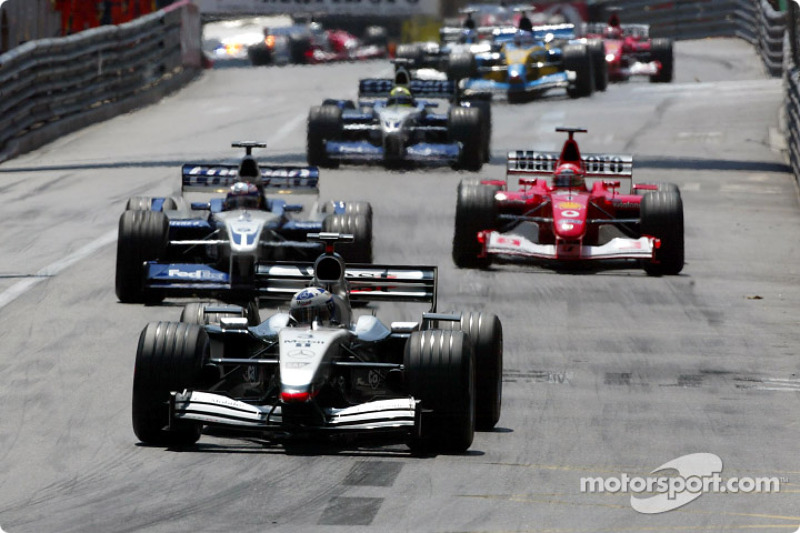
(556, 218)
(631, 52)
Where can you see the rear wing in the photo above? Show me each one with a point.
(539, 33)
(531, 162)
(368, 283)
(380, 88)
(278, 179)
(634, 30)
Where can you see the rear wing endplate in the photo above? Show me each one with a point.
(380, 88)
(368, 283)
(219, 178)
(531, 162)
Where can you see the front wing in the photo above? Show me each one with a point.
(362, 151)
(401, 414)
(495, 243)
(558, 80)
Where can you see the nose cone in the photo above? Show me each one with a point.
(569, 216)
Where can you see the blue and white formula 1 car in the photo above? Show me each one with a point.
(318, 371)
(394, 128)
(169, 246)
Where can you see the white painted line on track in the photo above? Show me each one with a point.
(21, 287)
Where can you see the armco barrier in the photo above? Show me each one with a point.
(50, 87)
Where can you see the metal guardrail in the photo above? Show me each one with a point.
(52, 86)
(792, 86)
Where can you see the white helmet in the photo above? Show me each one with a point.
(313, 304)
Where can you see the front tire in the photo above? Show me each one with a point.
(464, 125)
(662, 218)
(475, 211)
(143, 236)
(440, 372)
(171, 357)
(324, 124)
(661, 51)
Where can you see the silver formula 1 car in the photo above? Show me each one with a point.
(427, 383)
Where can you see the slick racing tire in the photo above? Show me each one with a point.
(662, 217)
(440, 372)
(661, 51)
(475, 211)
(324, 124)
(298, 47)
(663, 186)
(485, 107)
(350, 208)
(485, 332)
(577, 58)
(194, 313)
(461, 65)
(145, 203)
(143, 236)
(412, 52)
(360, 227)
(259, 55)
(597, 50)
(464, 125)
(171, 357)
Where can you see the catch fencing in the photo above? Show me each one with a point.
(50, 87)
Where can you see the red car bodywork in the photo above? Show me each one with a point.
(569, 220)
(631, 52)
(339, 45)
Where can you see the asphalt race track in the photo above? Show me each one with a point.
(606, 373)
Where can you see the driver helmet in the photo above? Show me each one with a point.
(313, 305)
(569, 175)
(400, 96)
(243, 195)
(523, 37)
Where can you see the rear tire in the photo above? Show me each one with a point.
(485, 332)
(411, 52)
(461, 65)
(662, 217)
(193, 313)
(360, 226)
(324, 124)
(661, 51)
(440, 372)
(475, 211)
(350, 208)
(171, 357)
(576, 58)
(597, 50)
(143, 236)
(464, 125)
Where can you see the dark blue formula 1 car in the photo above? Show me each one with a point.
(171, 246)
(392, 125)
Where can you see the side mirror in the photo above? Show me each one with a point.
(201, 206)
(293, 208)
